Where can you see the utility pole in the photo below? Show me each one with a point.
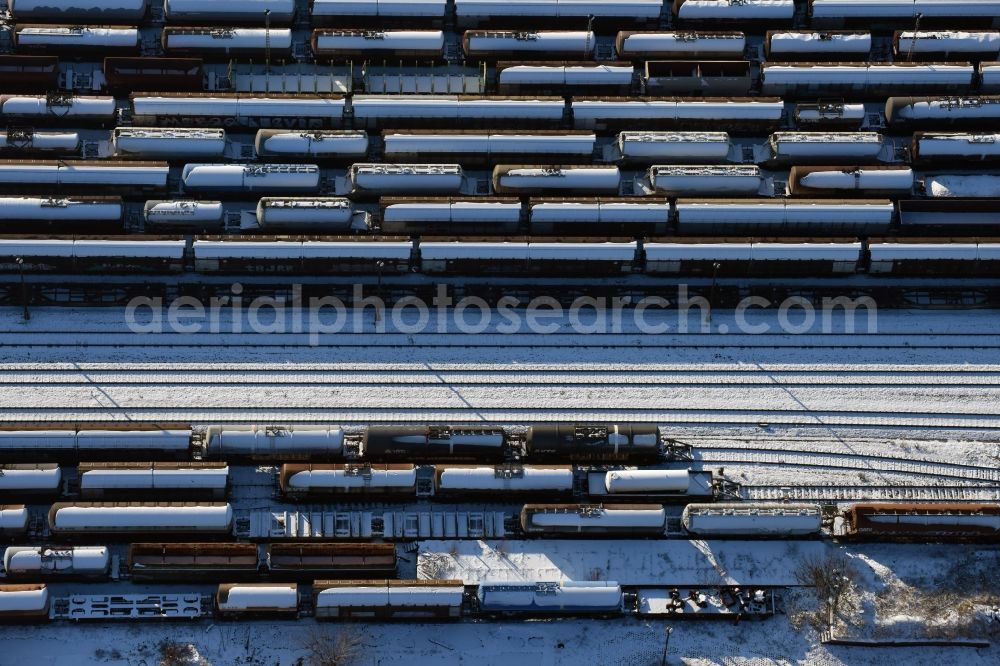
(711, 293)
(666, 646)
(267, 42)
(380, 264)
(24, 289)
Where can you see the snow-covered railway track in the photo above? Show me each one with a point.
(847, 461)
(834, 493)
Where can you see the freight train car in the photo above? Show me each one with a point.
(978, 112)
(604, 15)
(450, 216)
(95, 444)
(546, 44)
(388, 599)
(503, 481)
(645, 485)
(257, 599)
(35, 562)
(825, 45)
(923, 521)
(677, 147)
(726, 180)
(184, 214)
(192, 561)
(310, 481)
(764, 259)
(71, 214)
(228, 12)
(275, 442)
(222, 43)
(527, 179)
(599, 216)
(377, 179)
(168, 143)
(715, 11)
(192, 480)
(13, 520)
(433, 443)
(83, 175)
(736, 114)
(804, 148)
(335, 44)
(568, 442)
(771, 520)
(251, 177)
(20, 480)
(331, 560)
(955, 148)
(249, 110)
(27, 140)
(850, 181)
(903, 12)
(24, 603)
(378, 13)
(934, 259)
(554, 77)
(618, 520)
(862, 80)
(790, 218)
(76, 39)
(293, 257)
(58, 109)
(536, 258)
(454, 111)
(513, 598)
(829, 115)
(87, 520)
(479, 147)
(946, 44)
(79, 11)
(701, 45)
(324, 215)
(318, 144)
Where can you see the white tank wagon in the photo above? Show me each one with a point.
(82, 11)
(77, 38)
(555, 598)
(787, 217)
(482, 146)
(825, 147)
(838, 12)
(236, 599)
(959, 148)
(833, 182)
(251, 177)
(930, 259)
(58, 107)
(228, 11)
(376, 179)
(34, 479)
(362, 257)
(714, 180)
(400, 215)
(281, 442)
(981, 112)
(388, 599)
(105, 210)
(500, 482)
(740, 259)
(41, 174)
(971, 186)
(773, 520)
(183, 214)
(528, 179)
(602, 519)
(646, 485)
(686, 147)
(85, 443)
(989, 77)
(377, 12)
(549, 44)
(829, 114)
(864, 78)
(13, 519)
(958, 44)
(608, 77)
(164, 519)
(317, 214)
(737, 114)
(192, 480)
(300, 481)
(218, 42)
(600, 217)
(363, 43)
(323, 144)
(31, 141)
(449, 111)
(25, 603)
(726, 45)
(818, 45)
(246, 110)
(55, 561)
(168, 142)
(534, 12)
(727, 10)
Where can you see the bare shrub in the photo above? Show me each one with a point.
(339, 649)
(834, 584)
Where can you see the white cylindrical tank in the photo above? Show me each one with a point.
(686, 44)
(675, 146)
(319, 143)
(253, 440)
(346, 480)
(747, 519)
(859, 179)
(487, 479)
(251, 177)
(63, 209)
(482, 144)
(604, 518)
(169, 142)
(282, 11)
(30, 478)
(183, 213)
(56, 36)
(714, 180)
(142, 518)
(594, 179)
(13, 519)
(963, 146)
(647, 480)
(817, 146)
(24, 601)
(794, 42)
(226, 40)
(85, 173)
(744, 10)
(278, 213)
(87, 11)
(405, 178)
(453, 211)
(249, 598)
(68, 107)
(429, 42)
(44, 560)
(62, 141)
(152, 478)
(486, 42)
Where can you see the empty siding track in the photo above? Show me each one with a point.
(836, 493)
